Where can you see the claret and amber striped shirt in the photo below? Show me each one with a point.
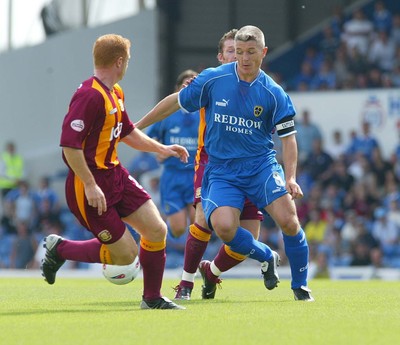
(96, 121)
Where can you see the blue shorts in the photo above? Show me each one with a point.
(231, 183)
(176, 190)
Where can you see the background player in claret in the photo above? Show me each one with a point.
(242, 107)
(199, 233)
(176, 182)
(99, 190)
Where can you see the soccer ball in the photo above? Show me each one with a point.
(121, 274)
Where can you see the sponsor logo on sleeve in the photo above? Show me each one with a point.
(78, 125)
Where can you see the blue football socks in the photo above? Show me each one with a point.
(296, 248)
(245, 244)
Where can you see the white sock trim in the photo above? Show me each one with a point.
(189, 277)
(214, 269)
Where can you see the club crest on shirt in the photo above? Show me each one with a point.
(258, 109)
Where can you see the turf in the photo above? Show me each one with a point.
(93, 311)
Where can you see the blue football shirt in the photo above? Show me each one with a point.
(179, 128)
(240, 116)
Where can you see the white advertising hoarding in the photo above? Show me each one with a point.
(346, 110)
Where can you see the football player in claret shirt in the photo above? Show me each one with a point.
(242, 107)
(99, 190)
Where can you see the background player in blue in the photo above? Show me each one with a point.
(243, 105)
(176, 183)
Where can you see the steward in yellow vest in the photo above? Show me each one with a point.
(11, 169)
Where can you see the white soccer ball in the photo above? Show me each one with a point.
(121, 274)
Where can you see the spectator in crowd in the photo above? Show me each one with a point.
(337, 147)
(315, 230)
(365, 249)
(325, 77)
(24, 247)
(341, 67)
(382, 18)
(23, 203)
(319, 162)
(395, 32)
(11, 168)
(307, 133)
(357, 62)
(382, 52)
(380, 167)
(45, 192)
(387, 233)
(363, 143)
(357, 32)
(340, 176)
(330, 43)
(302, 80)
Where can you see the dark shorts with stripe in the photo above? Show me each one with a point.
(123, 193)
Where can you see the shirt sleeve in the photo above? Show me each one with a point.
(84, 107)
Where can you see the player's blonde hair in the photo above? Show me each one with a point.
(108, 48)
(250, 33)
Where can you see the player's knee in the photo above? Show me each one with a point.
(290, 226)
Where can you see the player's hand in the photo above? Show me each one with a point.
(177, 151)
(96, 198)
(294, 190)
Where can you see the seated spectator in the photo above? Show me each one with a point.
(314, 57)
(382, 18)
(387, 233)
(329, 43)
(307, 133)
(337, 148)
(23, 204)
(382, 52)
(380, 167)
(357, 32)
(363, 143)
(23, 248)
(325, 78)
(340, 67)
(357, 63)
(302, 80)
(365, 249)
(45, 192)
(395, 33)
(319, 162)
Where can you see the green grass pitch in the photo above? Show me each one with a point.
(93, 311)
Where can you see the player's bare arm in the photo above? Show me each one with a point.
(142, 142)
(289, 156)
(163, 109)
(94, 194)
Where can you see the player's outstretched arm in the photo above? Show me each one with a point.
(142, 142)
(163, 109)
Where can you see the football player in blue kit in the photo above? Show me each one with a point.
(243, 105)
(176, 182)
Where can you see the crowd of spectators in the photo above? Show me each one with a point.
(357, 52)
